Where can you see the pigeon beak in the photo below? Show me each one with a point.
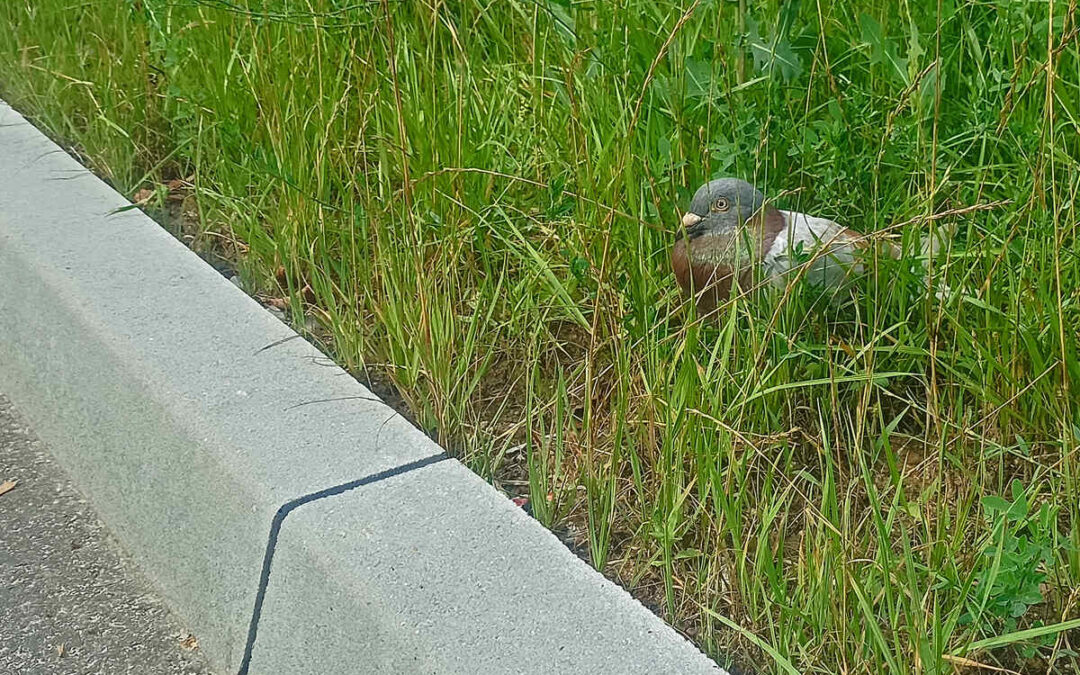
(692, 224)
(690, 219)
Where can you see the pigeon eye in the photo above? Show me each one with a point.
(721, 204)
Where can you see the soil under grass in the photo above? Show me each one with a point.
(469, 204)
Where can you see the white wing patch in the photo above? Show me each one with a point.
(818, 242)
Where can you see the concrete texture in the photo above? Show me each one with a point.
(73, 601)
(197, 423)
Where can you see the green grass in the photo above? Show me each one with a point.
(476, 198)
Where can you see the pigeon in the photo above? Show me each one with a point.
(730, 232)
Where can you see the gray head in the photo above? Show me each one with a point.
(720, 206)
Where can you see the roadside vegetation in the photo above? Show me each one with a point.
(472, 201)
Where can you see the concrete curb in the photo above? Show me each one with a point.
(289, 516)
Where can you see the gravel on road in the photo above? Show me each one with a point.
(72, 601)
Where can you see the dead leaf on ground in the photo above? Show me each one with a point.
(7, 486)
(189, 642)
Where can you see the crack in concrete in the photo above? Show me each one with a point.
(275, 529)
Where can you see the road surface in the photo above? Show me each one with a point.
(71, 601)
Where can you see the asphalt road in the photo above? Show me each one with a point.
(71, 600)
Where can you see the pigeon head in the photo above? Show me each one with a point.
(721, 206)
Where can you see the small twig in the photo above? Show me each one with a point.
(545, 186)
(276, 343)
(961, 661)
(656, 62)
(904, 100)
(334, 400)
(943, 214)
